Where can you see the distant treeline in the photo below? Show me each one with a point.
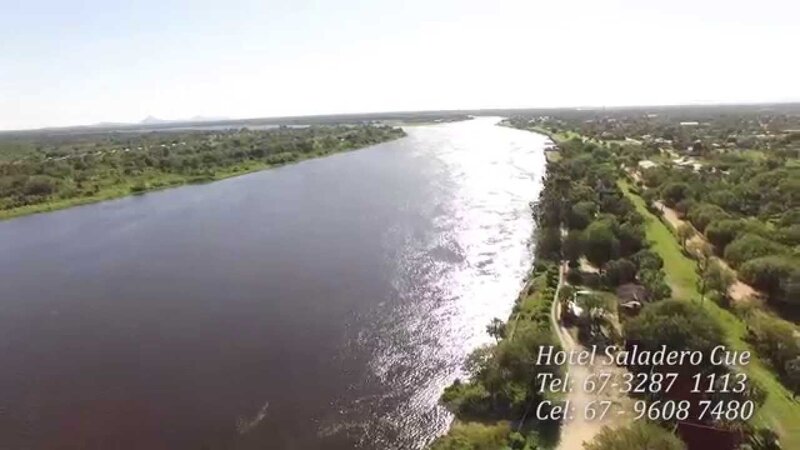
(40, 171)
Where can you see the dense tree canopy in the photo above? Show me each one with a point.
(600, 243)
(674, 192)
(474, 436)
(679, 325)
(751, 246)
(779, 342)
(779, 276)
(734, 176)
(54, 167)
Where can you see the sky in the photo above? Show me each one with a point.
(83, 62)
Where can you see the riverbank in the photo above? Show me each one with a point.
(495, 407)
(161, 181)
(427, 122)
(779, 409)
(395, 238)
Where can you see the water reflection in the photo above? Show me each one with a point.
(451, 280)
(320, 305)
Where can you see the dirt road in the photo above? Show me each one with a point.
(739, 292)
(578, 430)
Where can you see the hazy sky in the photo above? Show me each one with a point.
(73, 62)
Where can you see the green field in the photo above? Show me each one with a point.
(557, 137)
(780, 412)
(552, 156)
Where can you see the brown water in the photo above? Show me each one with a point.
(320, 305)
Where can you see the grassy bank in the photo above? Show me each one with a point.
(555, 136)
(780, 411)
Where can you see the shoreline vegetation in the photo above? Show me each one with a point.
(494, 407)
(612, 179)
(43, 172)
(425, 121)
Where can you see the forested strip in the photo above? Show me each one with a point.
(584, 216)
(580, 197)
(41, 171)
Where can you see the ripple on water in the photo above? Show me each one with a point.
(449, 283)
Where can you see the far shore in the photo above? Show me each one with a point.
(159, 184)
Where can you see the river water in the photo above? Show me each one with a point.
(322, 305)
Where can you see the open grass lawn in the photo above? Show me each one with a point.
(557, 137)
(753, 155)
(780, 412)
(552, 156)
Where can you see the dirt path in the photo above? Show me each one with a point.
(579, 430)
(586, 266)
(739, 292)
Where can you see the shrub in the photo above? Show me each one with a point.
(703, 214)
(40, 186)
(777, 275)
(572, 247)
(683, 207)
(675, 192)
(789, 235)
(468, 399)
(751, 246)
(775, 339)
(138, 188)
(638, 436)
(574, 276)
(723, 232)
(474, 436)
(581, 214)
(677, 324)
(653, 281)
(648, 260)
(620, 271)
(631, 237)
(600, 245)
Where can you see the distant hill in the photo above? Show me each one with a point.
(408, 117)
(152, 120)
(208, 118)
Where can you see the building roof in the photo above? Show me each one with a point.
(629, 292)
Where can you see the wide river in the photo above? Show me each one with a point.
(322, 305)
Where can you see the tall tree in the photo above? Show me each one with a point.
(717, 278)
(496, 329)
(703, 254)
(677, 324)
(685, 232)
(600, 243)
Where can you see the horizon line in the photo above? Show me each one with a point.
(111, 125)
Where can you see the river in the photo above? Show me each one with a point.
(321, 305)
